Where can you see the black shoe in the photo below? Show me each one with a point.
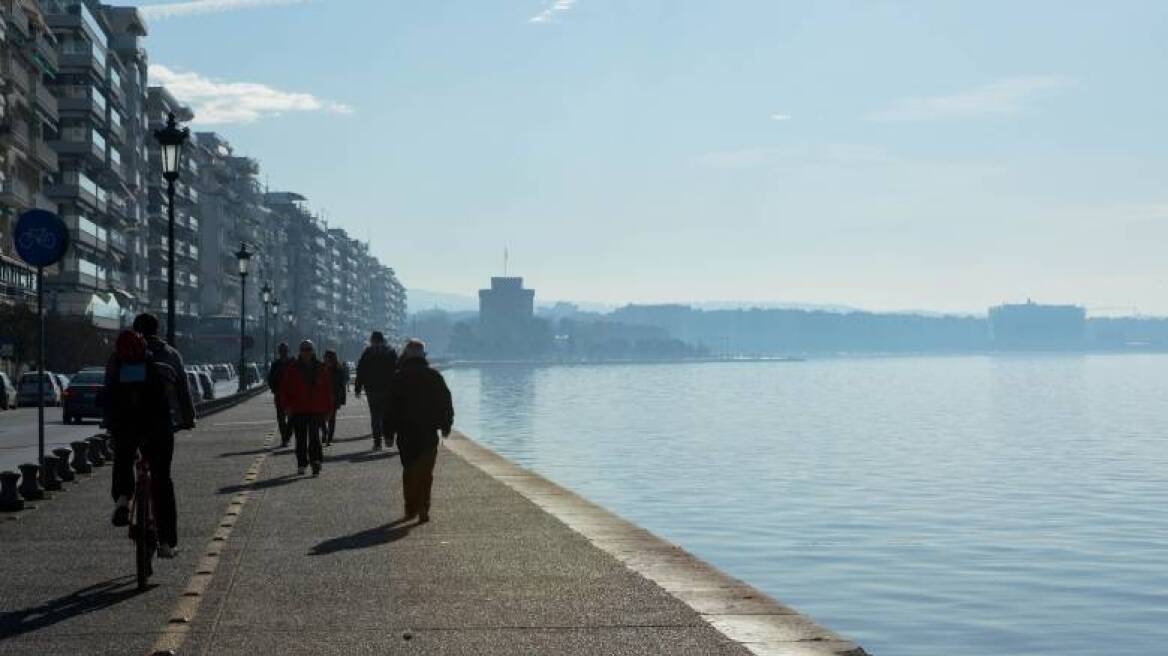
(121, 516)
(423, 518)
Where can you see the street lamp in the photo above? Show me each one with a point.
(288, 329)
(266, 294)
(244, 258)
(276, 315)
(171, 139)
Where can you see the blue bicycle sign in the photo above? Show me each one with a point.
(41, 238)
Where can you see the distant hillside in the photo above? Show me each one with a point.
(421, 300)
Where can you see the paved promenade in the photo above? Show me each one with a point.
(272, 562)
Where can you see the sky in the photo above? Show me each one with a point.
(888, 155)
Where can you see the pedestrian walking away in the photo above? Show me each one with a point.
(140, 400)
(419, 409)
(306, 392)
(274, 373)
(375, 369)
(340, 378)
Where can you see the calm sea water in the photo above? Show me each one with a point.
(975, 505)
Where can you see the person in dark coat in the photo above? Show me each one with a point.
(374, 370)
(340, 378)
(136, 400)
(306, 390)
(274, 372)
(419, 409)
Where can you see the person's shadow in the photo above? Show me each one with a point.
(98, 596)
(370, 537)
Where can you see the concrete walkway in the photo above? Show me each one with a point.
(277, 563)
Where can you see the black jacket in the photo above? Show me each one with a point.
(275, 372)
(375, 369)
(419, 406)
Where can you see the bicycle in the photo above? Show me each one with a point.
(143, 528)
(41, 237)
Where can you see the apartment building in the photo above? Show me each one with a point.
(28, 120)
(93, 188)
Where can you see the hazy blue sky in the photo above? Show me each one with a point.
(938, 155)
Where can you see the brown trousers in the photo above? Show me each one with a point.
(417, 478)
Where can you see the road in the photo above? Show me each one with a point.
(18, 430)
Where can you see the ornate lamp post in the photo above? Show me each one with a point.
(266, 294)
(244, 257)
(171, 139)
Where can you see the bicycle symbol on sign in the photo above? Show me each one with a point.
(38, 238)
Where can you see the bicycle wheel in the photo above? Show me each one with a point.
(142, 537)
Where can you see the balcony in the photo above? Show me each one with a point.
(46, 156)
(14, 192)
(47, 103)
(115, 131)
(77, 186)
(16, 132)
(80, 99)
(18, 76)
(45, 52)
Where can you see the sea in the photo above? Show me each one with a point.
(919, 505)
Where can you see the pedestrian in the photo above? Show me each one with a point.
(340, 379)
(374, 370)
(137, 413)
(306, 391)
(274, 373)
(419, 408)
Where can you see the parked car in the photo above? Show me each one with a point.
(27, 389)
(7, 392)
(83, 395)
(63, 381)
(253, 374)
(193, 384)
(220, 372)
(206, 386)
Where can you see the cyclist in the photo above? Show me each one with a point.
(136, 396)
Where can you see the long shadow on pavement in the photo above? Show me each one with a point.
(98, 596)
(370, 537)
(250, 452)
(365, 456)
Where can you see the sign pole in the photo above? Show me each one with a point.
(41, 367)
(41, 239)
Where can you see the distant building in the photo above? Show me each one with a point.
(1033, 326)
(508, 327)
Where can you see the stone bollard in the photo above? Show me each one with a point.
(49, 478)
(63, 471)
(102, 440)
(9, 501)
(30, 487)
(81, 457)
(96, 457)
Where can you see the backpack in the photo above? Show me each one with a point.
(137, 394)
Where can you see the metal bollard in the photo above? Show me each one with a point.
(30, 487)
(81, 457)
(63, 471)
(9, 501)
(96, 457)
(49, 478)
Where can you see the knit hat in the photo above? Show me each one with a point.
(415, 348)
(131, 346)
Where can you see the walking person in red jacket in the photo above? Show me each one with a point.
(306, 392)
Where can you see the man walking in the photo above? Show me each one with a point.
(306, 390)
(374, 371)
(419, 408)
(274, 373)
